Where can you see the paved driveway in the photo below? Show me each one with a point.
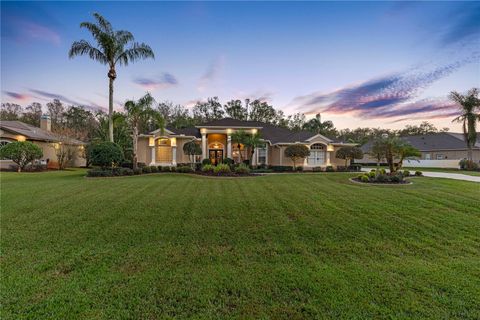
(447, 175)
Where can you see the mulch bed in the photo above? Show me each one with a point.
(401, 183)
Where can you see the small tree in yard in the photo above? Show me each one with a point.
(406, 151)
(21, 152)
(192, 149)
(349, 153)
(65, 149)
(106, 155)
(296, 152)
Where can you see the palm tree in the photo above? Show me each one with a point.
(252, 141)
(469, 105)
(138, 112)
(112, 47)
(239, 137)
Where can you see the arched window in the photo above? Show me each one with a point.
(317, 154)
(4, 143)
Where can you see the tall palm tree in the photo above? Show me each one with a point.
(112, 47)
(138, 112)
(239, 137)
(252, 141)
(469, 105)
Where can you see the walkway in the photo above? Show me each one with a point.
(456, 176)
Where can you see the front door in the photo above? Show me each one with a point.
(216, 156)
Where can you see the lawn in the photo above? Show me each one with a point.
(292, 246)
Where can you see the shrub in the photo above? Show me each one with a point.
(381, 178)
(373, 170)
(141, 164)
(222, 168)
(207, 168)
(21, 152)
(262, 170)
(329, 169)
(228, 161)
(383, 171)
(127, 164)
(396, 178)
(418, 173)
(166, 169)
(137, 171)
(106, 154)
(146, 170)
(372, 174)
(173, 169)
(242, 169)
(159, 168)
(281, 168)
(206, 161)
(406, 173)
(296, 152)
(317, 169)
(99, 173)
(125, 171)
(364, 178)
(299, 168)
(184, 169)
(153, 169)
(468, 165)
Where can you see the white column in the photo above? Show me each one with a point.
(281, 156)
(229, 146)
(266, 154)
(254, 157)
(174, 156)
(204, 146)
(152, 162)
(328, 158)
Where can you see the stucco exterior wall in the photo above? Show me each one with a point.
(144, 153)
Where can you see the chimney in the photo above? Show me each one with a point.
(45, 122)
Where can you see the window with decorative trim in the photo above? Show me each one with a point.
(262, 155)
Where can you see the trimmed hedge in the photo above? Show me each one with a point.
(281, 168)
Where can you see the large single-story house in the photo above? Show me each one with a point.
(42, 136)
(444, 149)
(215, 138)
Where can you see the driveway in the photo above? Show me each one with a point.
(456, 176)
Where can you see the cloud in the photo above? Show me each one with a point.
(211, 74)
(23, 30)
(165, 80)
(462, 24)
(50, 95)
(17, 96)
(388, 96)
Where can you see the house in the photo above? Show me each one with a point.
(444, 149)
(215, 138)
(47, 140)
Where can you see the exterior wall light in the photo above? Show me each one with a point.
(330, 147)
(151, 142)
(173, 142)
(21, 138)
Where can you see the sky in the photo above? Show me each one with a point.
(375, 64)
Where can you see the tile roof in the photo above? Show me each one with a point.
(435, 141)
(32, 132)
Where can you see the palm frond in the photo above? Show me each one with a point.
(103, 23)
(83, 47)
(123, 37)
(136, 52)
(93, 28)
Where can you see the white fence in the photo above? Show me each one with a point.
(432, 163)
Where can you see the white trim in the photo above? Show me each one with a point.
(320, 136)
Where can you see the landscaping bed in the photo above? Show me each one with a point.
(380, 176)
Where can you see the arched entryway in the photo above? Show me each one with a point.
(216, 152)
(317, 154)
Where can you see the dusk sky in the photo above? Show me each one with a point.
(376, 64)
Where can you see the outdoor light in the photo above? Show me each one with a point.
(21, 138)
(229, 131)
(330, 147)
(173, 142)
(203, 131)
(254, 131)
(151, 142)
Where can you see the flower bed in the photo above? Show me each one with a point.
(381, 177)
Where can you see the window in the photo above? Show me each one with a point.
(3, 143)
(440, 157)
(262, 155)
(428, 156)
(317, 154)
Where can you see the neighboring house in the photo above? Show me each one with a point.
(215, 138)
(444, 149)
(47, 140)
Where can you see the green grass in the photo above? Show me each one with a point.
(447, 170)
(290, 246)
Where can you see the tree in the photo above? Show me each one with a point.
(377, 150)
(234, 109)
(32, 114)
(10, 111)
(208, 111)
(21, 152)
(81, 123)
(262, 112)
(138, 112)
(121, 132)
(296, 122)
(296, 152)
(65, 148)
(469, 106)
(106, 154)
(424, 128)
(316, 125)
(112, 47)
(349, 153)
(252, 141)
(239, 138)
(406, 151)
(192, 149)
(56, 110)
